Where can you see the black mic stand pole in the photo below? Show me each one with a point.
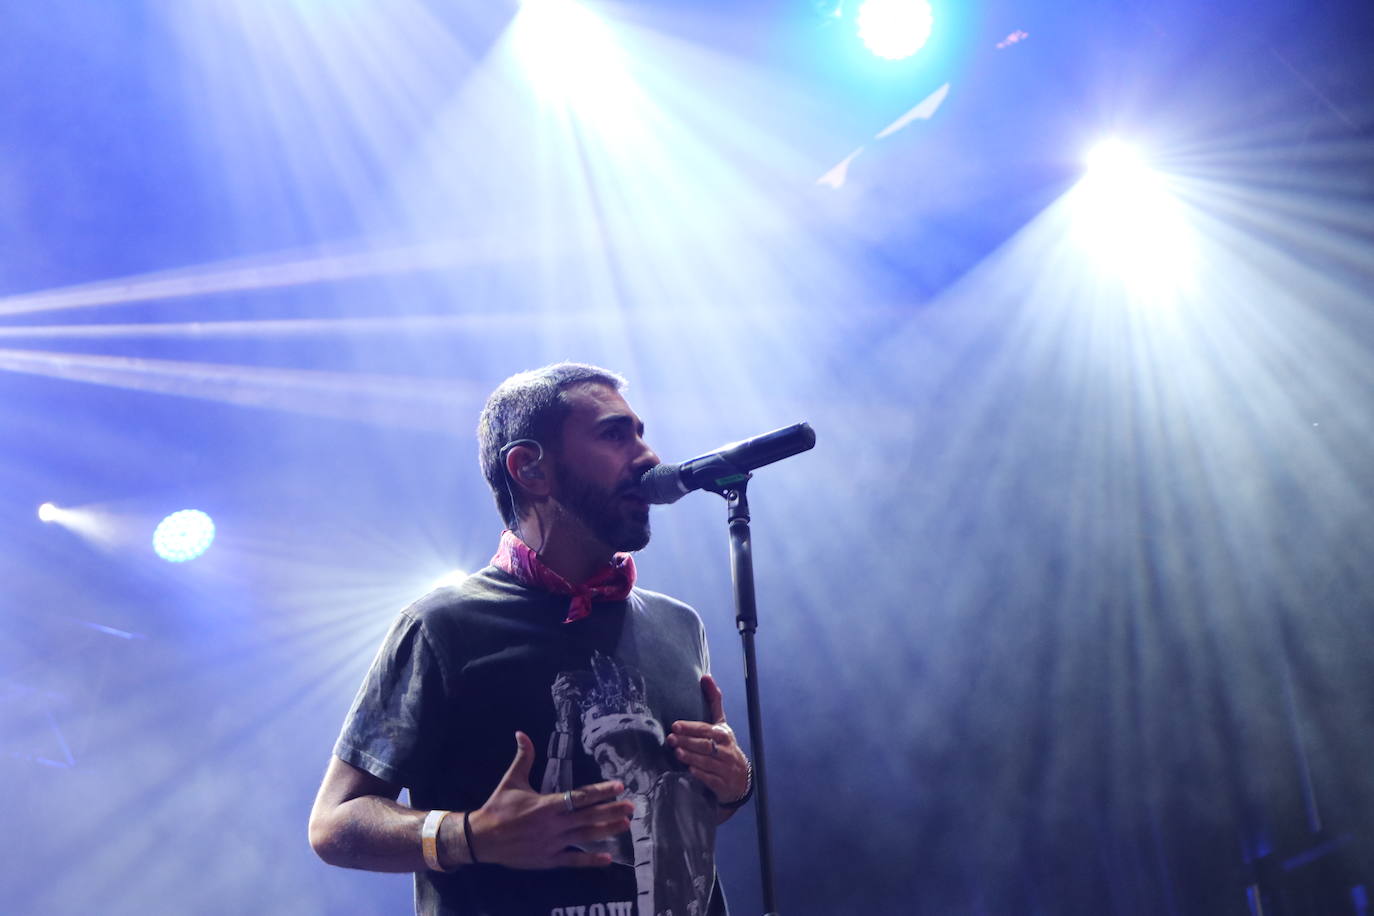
(747, 621)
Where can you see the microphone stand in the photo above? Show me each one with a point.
(747, 621)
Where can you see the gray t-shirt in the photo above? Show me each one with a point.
(466, 666)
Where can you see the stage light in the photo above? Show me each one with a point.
(570, 54)
(454, 577)
(894, 29)
(92, 521)
(1115, 161)
(1128, 222)
(183, 535)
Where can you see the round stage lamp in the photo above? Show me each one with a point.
(48, 512)
(183, 535)
(894, 29)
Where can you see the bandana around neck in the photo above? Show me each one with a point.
(611, 583)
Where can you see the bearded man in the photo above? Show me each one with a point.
(551, 646)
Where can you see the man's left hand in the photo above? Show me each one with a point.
(709, 748)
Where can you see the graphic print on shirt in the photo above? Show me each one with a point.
(604, 714)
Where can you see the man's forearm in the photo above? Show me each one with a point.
(378, 834)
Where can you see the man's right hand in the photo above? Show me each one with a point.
(520, 828)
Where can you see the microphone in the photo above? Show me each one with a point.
(729, 464)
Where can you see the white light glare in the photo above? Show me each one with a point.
(1114, 160)
(454, 577)
(895, 29)
(569, 53)
(90, 521)
(183, 535)
(1128, 222)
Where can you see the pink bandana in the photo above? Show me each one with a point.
(612, 583)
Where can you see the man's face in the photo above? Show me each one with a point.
(599, 466)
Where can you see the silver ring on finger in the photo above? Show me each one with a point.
(568, 802)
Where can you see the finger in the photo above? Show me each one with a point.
(720, 732)
(572, 858)
(713, 782)
(586, 835)
(718, 764)
(599, 793)
(600, 814)
(728, 779)
(714, 699)
(691, 745)
(713, 746)
(518, 773)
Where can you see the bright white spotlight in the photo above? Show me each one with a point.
(1129, 223)
(183, 535)
(48, 513)
(1115, 160)
(895, 29)
(570, 54)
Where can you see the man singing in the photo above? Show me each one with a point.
(564, 745)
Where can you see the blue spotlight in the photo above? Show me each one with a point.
(895, 29)
(183, 535)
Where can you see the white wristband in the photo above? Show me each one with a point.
(429, 839)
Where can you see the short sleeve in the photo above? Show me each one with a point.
(396, 717)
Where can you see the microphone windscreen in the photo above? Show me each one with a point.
(662, 484)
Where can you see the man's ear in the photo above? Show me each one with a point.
(523, 466)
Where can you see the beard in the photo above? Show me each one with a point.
(605, 513)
